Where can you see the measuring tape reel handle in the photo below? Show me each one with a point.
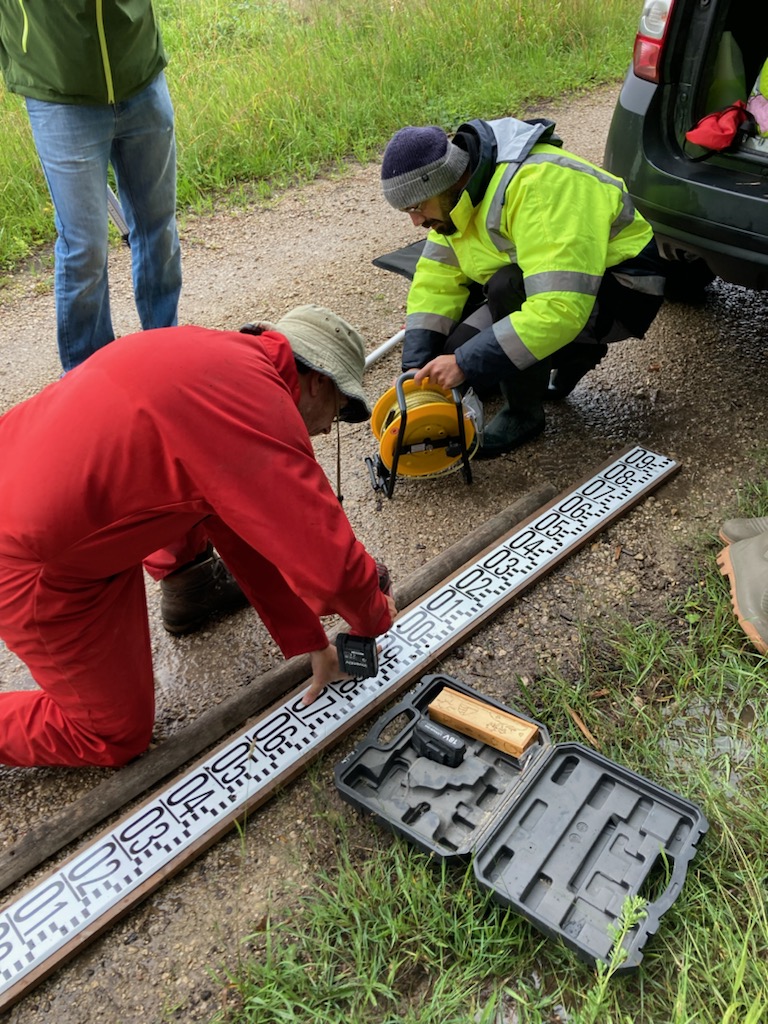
(427, 431)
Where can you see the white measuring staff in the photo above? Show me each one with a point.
(69, 902)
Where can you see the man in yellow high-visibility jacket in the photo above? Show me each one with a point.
(535, 261)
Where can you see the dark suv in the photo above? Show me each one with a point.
(709, 210)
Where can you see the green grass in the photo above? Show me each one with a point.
(274, 92)
(389, 935)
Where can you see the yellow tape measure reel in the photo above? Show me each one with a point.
(423, 430)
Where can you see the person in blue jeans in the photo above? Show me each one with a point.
(92, 76)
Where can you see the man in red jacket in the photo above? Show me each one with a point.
(156, 446)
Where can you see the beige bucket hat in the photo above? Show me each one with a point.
(325, 342)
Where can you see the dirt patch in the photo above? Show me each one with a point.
(693, 390)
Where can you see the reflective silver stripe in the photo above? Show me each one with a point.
(626, 214)
(429, 322)
(511, 345)
(566, 161)
(562, 281)
(440, 254)
(493, 217)
(648, 284)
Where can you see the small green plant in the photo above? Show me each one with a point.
(592, 1010)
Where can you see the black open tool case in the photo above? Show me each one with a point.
(562, 835)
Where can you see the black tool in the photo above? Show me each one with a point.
(438, 743)
(358, 655)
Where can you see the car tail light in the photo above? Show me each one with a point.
(649, 41)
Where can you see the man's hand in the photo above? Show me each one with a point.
(325, 669)
(444, 370)
(325, 663)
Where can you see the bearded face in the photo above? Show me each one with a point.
(438, 212)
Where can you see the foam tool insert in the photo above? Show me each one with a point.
(557, 832)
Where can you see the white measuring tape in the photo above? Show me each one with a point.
(72, 899)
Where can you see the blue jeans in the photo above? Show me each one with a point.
(76, 144)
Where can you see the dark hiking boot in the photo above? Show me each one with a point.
(734, 530)
(745, 563)
(191, 595)
(509, 430)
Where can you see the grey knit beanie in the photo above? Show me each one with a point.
(326, 343)
(420, 163)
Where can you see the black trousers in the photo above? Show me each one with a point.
(619, 313)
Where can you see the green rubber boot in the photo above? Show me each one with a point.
(508, 430)
(521, 418)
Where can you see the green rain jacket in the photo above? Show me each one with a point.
(561, 219)
(79, 51)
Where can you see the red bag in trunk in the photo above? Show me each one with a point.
(718, 130)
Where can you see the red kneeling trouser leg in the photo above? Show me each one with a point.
(173, 556)
(86, 643)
